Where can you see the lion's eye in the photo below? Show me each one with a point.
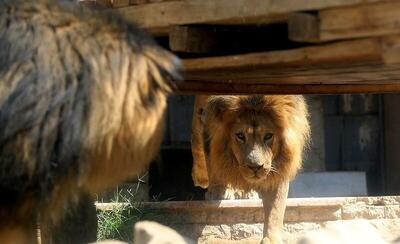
(268, 137)
(240, 136)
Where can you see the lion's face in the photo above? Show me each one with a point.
(254, 141)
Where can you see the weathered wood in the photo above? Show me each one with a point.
(367, 50)
(112, 3)
(391, 49)
(136, 2)
(105, 3)
(232, 39)
(346, 22)
(120, 3)
(368, 73)
(192, 39)
(190, 88)
(303, 27)
(358, 66)
(165, 14)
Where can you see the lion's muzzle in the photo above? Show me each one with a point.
(257, 160)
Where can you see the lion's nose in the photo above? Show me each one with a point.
(255, 168)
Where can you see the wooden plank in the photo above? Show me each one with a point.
(165, 14)
(373, 73)
(120, 3)
(191, 88)
(391, 49)
(366, 50)
(105, 3)
(192, 39)
(347, 22)
(223, 39)
(137, 2)
(304, 27)
(358, 66)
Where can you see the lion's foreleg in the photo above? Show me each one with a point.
(199, 170)
(274, 202)
(215, 192)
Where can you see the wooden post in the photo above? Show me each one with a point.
(367, 20)
(303, 27)
(392, 143)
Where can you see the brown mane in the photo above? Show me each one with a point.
(82, 102)
(288, 113)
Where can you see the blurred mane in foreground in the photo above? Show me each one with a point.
(82, 100)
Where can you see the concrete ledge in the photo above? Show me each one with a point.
(251, 211)
(257, 203)
(241, 219)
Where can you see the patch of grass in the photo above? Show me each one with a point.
(118, 223)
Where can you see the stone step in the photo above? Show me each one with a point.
(232, 220)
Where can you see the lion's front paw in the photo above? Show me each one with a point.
(201, 181)
(215, 192)
(200, 174)
(229, 193)
(232, 193)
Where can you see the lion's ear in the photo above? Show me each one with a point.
(218, 106)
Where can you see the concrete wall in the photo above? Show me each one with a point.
(353, 134)
(315, 157)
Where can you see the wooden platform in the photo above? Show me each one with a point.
(333, 46)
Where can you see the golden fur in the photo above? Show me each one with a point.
(285, 115)
(247, 143)
(82, 100)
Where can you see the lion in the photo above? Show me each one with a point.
(252, 142)
(82, 102)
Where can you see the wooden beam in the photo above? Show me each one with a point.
(165, 14)
(358, 66)
(347, 22)
(304, 27)
(190, 39)
(196, 88)
(310, 79)
(365, 50)
(223, 39)
(137, 2)
(106, 3)
(120, 3)
(370, 78)
(368, 73)
(391, 49)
